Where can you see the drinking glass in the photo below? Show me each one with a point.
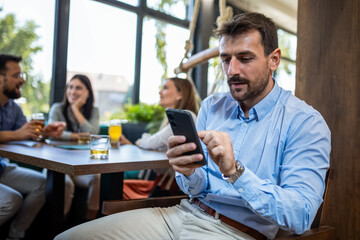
(83, 137)
(115, 130)
(99, 146)
(40, 118)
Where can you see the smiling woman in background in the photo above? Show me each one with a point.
(80, 115)
(175, 93)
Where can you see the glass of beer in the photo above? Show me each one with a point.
(99, 146)
(115, 130)
(40, 118)
(83, 137)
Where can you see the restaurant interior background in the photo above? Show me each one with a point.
(126, 47)
(138, 43)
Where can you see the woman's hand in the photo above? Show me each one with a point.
(124, 141)
(80, 102)
(54, 129)
(77, 105)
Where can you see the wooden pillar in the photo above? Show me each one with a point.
(328, 78)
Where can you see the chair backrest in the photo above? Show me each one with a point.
(328, 186)
(282, 234)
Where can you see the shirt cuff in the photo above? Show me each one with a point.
(66, 135)
(249, 187)
(193, 183)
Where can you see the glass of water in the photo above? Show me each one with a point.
(99, 146)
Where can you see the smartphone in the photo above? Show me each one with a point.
(182, 123)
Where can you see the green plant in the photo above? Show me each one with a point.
(144, 113)
(23, 41)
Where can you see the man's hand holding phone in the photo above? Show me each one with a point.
(184, 164)
(184, 149)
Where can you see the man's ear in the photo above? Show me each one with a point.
(275, 57)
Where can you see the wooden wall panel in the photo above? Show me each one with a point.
(328, 78)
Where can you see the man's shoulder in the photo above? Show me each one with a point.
(298, 112)
(295, 104)
(14, 106)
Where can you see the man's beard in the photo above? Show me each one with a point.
(253, 88)
(11, 94)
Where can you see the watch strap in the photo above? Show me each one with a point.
(233, 177)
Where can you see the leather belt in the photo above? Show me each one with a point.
(239, 226)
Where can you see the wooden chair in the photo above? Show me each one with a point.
(317, 231)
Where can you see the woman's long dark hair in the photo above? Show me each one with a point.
(88, 106)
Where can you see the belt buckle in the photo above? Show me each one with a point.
(192, 201)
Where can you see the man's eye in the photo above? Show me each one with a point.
(245, 60)
(225, 60)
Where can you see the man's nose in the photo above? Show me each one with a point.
(234, 67)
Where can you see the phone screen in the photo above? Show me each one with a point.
(182, 123)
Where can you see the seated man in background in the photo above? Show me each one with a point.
(18, 182)
(267, 155)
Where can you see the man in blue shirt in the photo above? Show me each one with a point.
(267, 155)
(22, 190)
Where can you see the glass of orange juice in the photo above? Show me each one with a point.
(115, 130)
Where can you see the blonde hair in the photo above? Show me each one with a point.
(188, 98)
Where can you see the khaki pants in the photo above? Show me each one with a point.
(184, 221)
(15, 183)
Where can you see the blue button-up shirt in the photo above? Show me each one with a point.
(11, 118)
(284, 146)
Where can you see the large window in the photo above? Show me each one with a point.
(102, 46)
(285, 74)
(130, 2)
(126, 48)
(174, 8)
(156, 68)
(27, 29)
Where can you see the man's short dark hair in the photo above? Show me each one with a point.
(244, 22)
(4, 58)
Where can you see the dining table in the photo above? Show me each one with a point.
(62, 157)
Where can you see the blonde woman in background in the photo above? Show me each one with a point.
(175, 93)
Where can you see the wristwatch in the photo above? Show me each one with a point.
(233, 177)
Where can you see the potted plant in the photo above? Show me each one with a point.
(141, 118)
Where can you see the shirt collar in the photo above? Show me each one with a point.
(9, 104)
(264, 106)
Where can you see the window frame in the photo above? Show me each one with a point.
(61, 35)
(203, 32)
